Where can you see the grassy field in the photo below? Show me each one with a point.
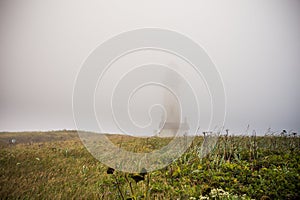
(56, 165)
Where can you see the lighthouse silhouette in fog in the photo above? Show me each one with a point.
(171, 125)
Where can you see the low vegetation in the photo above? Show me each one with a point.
(56, 165)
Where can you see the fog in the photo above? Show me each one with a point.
(254, 45)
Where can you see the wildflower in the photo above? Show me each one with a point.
(139, 177)
(110, 170)
(294, 134)
(204, 198)
(84, 169)
(220, 190)
(213, 193)
(143, 172)
(218, 193)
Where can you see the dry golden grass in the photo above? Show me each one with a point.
(56, 165)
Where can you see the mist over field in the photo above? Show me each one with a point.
(253, 44)
(150, 99)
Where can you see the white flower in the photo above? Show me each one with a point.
(204, 198)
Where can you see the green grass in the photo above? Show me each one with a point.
(55, 165)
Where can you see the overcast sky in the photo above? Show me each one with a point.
(254, 44)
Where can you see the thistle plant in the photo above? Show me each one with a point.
(136, 177)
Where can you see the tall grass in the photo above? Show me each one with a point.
(237, 167)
